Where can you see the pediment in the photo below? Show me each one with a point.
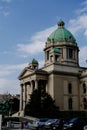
(25, 72)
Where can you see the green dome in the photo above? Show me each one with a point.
(61, 34)
(34, 61)
(55, 50)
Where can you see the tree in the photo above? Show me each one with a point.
(14, 102)
(41, 104)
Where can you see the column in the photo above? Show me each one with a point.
(25, 93)
(28, 91)
(21, 97)
(47, 87)
(24, 101)
(36, 84)
(31, 83)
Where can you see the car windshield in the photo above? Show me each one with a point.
(73, 120)
(52, 120)
(41, 120)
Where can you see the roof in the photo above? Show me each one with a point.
(61, 34)
(55, 50)
(34, 61)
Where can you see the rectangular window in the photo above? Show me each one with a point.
(70, 53)
(85, 103)
(84, 88)
(69, 88)
(47, 55)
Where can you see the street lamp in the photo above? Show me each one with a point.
(11, 103)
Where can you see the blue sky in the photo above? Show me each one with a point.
(24, 28)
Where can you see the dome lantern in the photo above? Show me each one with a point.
(61, 24)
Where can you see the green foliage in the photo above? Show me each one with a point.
(41, 104)
(9, 106)
(4, 107)
(14, 105)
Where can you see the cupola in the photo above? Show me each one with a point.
(34, 64)
(61, 47)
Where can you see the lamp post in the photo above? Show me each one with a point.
(11, 103)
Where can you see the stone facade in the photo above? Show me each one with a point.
(61, 75)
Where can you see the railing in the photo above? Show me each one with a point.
(17, 125)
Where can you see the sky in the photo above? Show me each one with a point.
(24, 28)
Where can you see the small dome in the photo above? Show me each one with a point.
(34, 61)
(55, 50)
(61, 34)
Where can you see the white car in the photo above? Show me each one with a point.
(39, 123)
(85, 127)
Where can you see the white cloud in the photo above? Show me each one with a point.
(15, 67)
(79, 24)
(31, 48)
(11, 85)
(6, 1)
(84, 3)
(6, 70)
(4, 11)
(83, 56)
(36, 44)
(41, 64)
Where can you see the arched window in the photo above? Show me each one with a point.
(69, 88)
(56, 57)
(84, 88)
(33, 85)
(51, 58)
(70, 103)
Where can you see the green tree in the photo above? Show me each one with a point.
(14, 105)
(41, 104)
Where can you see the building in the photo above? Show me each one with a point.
(61, 76)
(7, 96)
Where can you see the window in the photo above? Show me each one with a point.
(70, 103)
(56, 57)
(70, 53)
(84, 88)
(51, 58)
(33, 85)
(70, 38)
(47, 55)
(85, 103)
(69, 88)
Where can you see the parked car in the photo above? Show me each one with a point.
(85, 127)
(39, 123)
(54, 124)
(75, 124)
